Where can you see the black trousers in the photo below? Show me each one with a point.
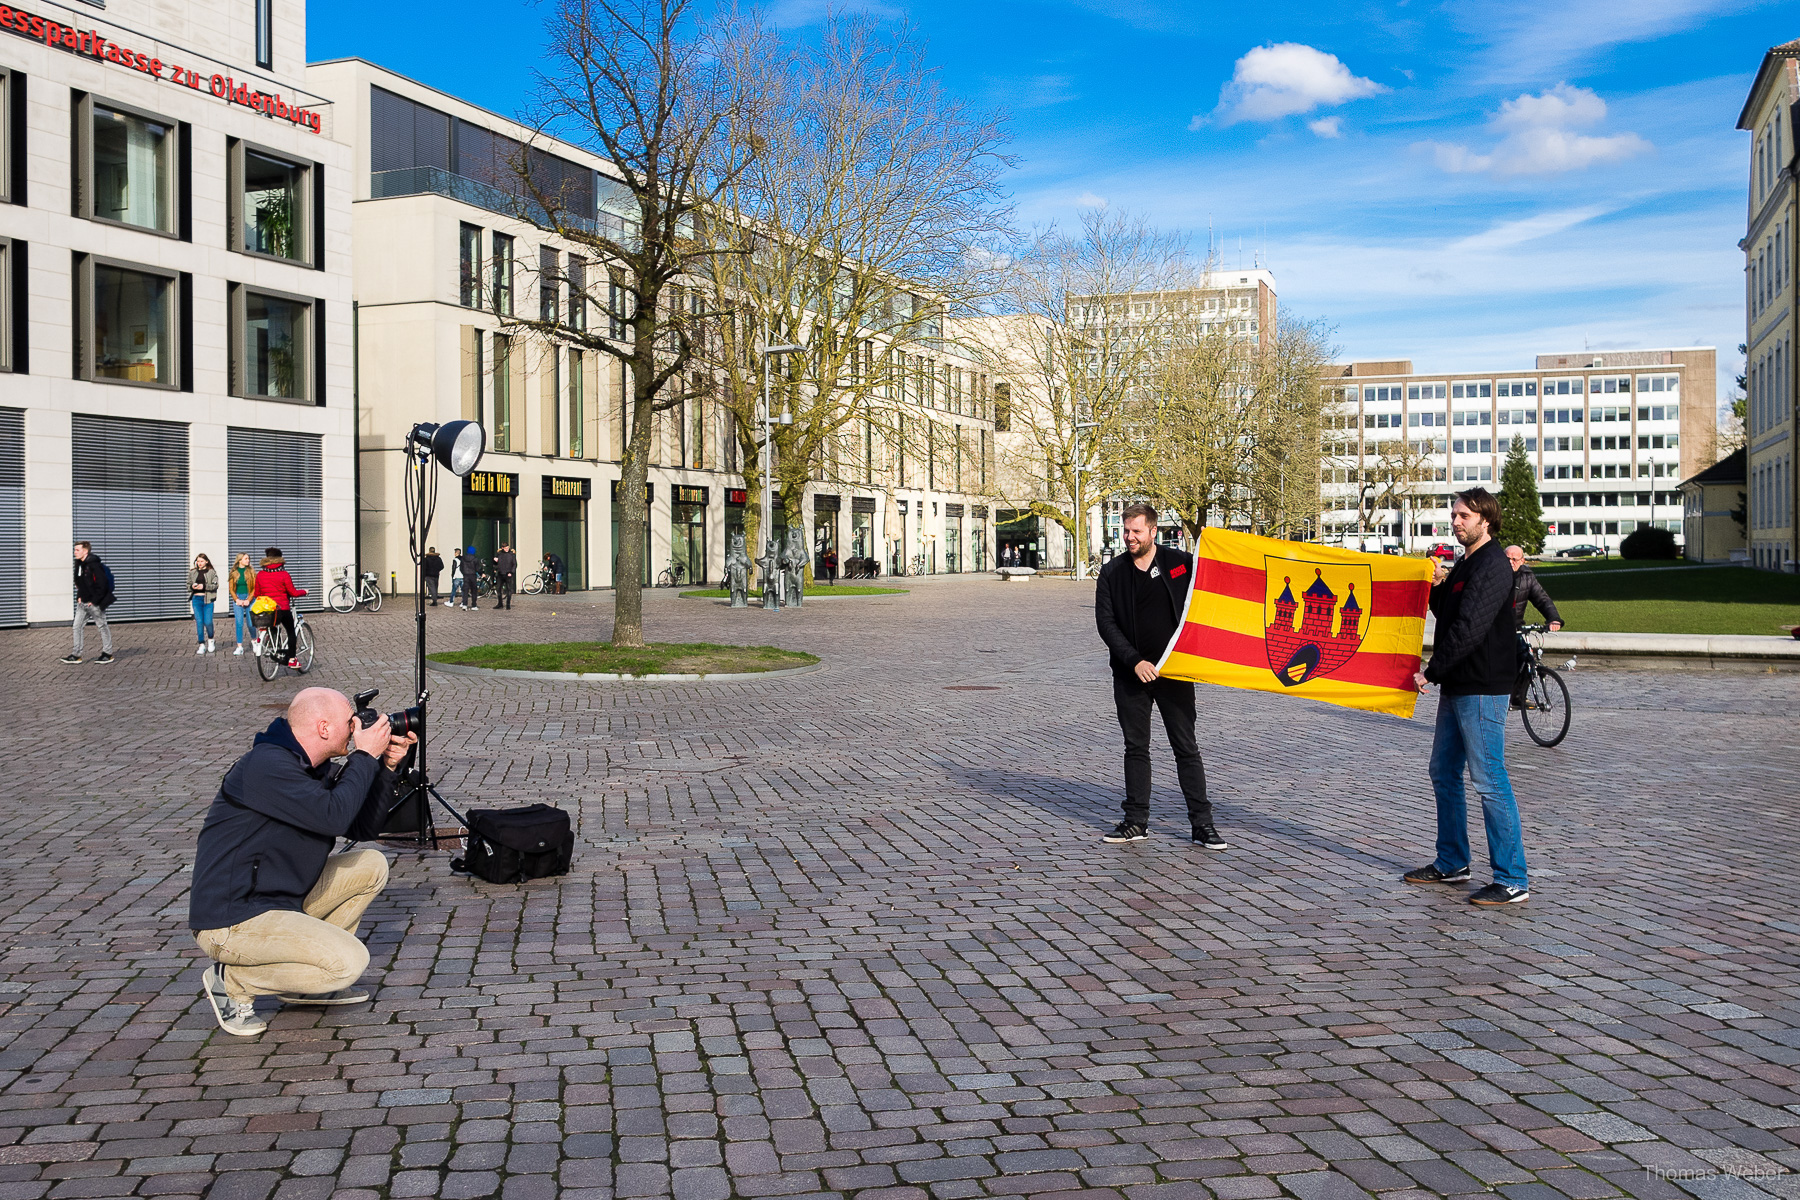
(431, 588)
(506, 591)
(1175, 699)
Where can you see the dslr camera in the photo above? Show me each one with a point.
(407, 720)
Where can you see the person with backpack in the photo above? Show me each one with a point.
(274, 582)
(93, 596)
(241, 584)
(430, 567)
(203, 588)
(471, 577)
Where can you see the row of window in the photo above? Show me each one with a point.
(1506, 416)
(133, 168)
(1596, 385)
(1768, 270)
(1771, 495)
(1769, 387)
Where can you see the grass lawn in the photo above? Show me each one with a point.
(603, 658)
(1564, 566)
(812, 589)
(1719, 600)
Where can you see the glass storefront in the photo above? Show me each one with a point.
(1021, 538)
(687, 533)
(735, 499)
(488, 505)
(978, 556)
(565, 528)
(862, 560)
(649, 503)
(825, 531)
(953, 538)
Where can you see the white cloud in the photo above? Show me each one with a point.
(1327, 127)
(1089, 200)
(1539, 137)
(1271, 82)
(1527, 229)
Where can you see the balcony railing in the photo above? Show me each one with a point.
(418, 181)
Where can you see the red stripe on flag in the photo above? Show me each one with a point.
(1399, 597)
(1231, 580)
(1371, 670)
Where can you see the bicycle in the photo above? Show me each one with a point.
(535, 583)
(273, 654)
(671, 575)
(1546, 709)
(918, 564)
(343, 598)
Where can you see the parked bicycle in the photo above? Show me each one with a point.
(343, 598)
(671, 575)
(918, 564)
(1546, 710)
(273, 652)
(535, 583)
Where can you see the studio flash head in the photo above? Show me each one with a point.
(407, 720)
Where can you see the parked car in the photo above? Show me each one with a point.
(1443, 550)
(1581, 552)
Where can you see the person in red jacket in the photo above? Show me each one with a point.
(274, 582)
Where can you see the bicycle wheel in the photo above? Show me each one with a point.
(664, 580)
(1547, 708)
(342, 598)
(533, 585)
(304, 655)
(373, 599)
(273, 653)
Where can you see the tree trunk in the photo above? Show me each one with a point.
(634, 517)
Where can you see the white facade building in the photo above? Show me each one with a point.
(175, 358)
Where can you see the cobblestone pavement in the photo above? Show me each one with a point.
(853, 933)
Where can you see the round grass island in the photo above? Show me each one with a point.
(603, 661)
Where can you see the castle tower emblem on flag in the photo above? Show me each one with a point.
(1328, 631)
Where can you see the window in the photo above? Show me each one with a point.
(503, 352)
(1563, 387)
(128, 323)
(503, 275)
(273, 208)
(265, 48)
(12, 132)
(128, 163)
(576, 274)
(549, 297)
(1471, 391)
(551, 383)
(577, 408)
(269, 350)
(6, 295)
(1516, 387)
(469, 294)
(615, 312)
(1425, 391)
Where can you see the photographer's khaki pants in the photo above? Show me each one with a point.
(310, 952)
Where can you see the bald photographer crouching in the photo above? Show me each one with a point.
(271, 905)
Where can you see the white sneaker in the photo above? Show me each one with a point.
(234, 1016)
(240, 648)
(211, 647)
(200, 649)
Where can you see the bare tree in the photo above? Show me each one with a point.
(657, 91)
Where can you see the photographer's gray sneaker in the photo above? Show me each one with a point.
(349, 995)
(233, 1016)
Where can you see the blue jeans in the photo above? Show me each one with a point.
(241, 610)
(1471, 732)
(203, 617)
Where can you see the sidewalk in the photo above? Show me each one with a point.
(1731, 647)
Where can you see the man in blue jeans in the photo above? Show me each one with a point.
(1473, 662)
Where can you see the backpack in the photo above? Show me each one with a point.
(109, 595)
(511, 845)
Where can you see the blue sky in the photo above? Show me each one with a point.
(1463, 183)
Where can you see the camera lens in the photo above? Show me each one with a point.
(408, 720)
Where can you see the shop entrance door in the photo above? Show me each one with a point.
(565, 535)
(487, 526)
(953, 544)
(687, 533)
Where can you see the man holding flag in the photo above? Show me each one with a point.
(1473, 662)
(1138, 604)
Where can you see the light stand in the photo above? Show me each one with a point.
(457, 446)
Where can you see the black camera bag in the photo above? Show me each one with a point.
(511, 845)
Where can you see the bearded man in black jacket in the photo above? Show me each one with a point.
(1474, 662)
(270, 904)
(1138, 603)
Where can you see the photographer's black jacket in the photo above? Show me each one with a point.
(273, 824)
(1115, 607)
(1475, 649)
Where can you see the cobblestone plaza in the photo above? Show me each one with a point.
(854, 933)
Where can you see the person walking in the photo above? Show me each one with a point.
(242, 583)
(274, 582)
(430, 567)
(203, 584)
(554, 562)
(1473, 663)
(831, 565)
(506, 570)
(93, 596)
(471, 575)
(1137, 608)
(1527, 590)
(456, 578)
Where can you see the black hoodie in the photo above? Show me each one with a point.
(1115, 605)
(274, 823)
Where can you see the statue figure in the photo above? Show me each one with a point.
(794, 558)
(770, 567)
(737, 572)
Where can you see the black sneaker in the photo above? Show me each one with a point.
(1209, 837)
(1495, 894)
(1125, 831)
(104, 658)
(71, 659)
(1432, 875)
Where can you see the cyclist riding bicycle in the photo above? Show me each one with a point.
(274, 582)
(1527, 590)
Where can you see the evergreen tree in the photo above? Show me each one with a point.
(1521, 513)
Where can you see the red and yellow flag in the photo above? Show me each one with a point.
(1303, 620)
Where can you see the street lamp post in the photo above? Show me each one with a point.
(767, 420)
